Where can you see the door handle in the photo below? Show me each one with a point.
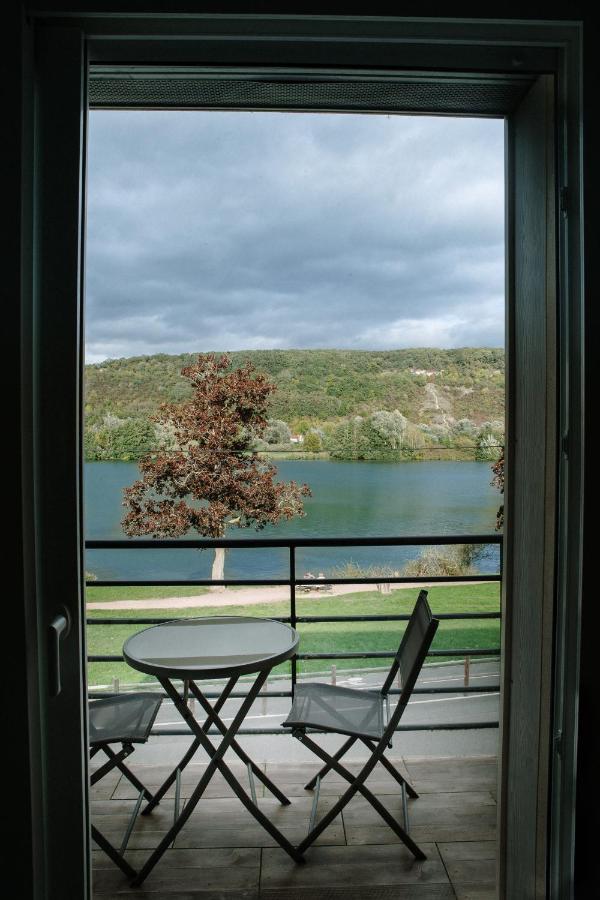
(58, 630)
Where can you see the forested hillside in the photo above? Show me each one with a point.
(343, 401)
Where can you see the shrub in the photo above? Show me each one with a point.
(443, 560)
(312, 442)
(277, 432)
(352, 569)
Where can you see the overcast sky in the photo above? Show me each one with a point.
(238, 230)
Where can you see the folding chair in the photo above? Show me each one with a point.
(364, 716)
(124, 719)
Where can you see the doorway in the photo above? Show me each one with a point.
(59, 498)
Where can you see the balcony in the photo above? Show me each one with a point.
(222, 852)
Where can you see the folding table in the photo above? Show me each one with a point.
(210, 648)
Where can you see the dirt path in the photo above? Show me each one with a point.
(247, 597)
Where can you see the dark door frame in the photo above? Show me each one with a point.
(52, 304)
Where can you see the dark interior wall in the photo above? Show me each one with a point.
(16, 171)
(588, 818)
(15, 159)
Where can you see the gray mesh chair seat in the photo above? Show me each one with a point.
(364, 716)
(343, 710)
(125, 719)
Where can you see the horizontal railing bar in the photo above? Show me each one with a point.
(305, 619)
(444, 726)
(193, 582)
(97, 657)
(367, 654)
(390, 654)
(474, 689)
(397, 618)
(212, 695)
(238, 695)
(211, 543)
(402, 579)
(147, 620)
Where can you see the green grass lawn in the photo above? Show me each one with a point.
(322, 637)
(95, 594)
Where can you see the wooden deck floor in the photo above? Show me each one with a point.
(223, 854)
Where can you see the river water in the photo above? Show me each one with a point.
(349, 499)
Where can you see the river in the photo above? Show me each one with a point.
(363, 499)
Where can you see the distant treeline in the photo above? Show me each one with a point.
(415, 403)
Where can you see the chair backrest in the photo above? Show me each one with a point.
(411, 655)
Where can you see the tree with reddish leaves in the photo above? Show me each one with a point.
(498, 482)
(212, 479)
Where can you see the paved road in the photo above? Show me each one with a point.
(423, 709)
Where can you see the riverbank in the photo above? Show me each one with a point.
(422, 454)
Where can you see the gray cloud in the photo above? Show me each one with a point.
(259, 230)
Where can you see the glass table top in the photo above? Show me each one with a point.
(209, 647)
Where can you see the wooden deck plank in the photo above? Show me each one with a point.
(181, 859)
(467, 871)
(153, 777)
(381, 834)
(193, 770)
(254, 836)
(454, 800)
(229, 810)
(226, 823)
(475, 892)
(457, 850)
(166, 879)
(301, 772)
(363, 892)
(440, 809)
(352, 866)
(177, 894)
(445, 775)
(222, 853)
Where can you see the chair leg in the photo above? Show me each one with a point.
(384, 761)
(112, 853)
(356, 785)
(118, 762)
(323, 772)
(113, 761)
(393, 771)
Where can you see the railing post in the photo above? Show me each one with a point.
(467, 670)
(293, 621)
(115, 685)
(334, 674)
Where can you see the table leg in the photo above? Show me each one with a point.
(191, 751)
(236, 747)
(216, 763)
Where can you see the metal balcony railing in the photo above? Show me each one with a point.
(294, 619)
